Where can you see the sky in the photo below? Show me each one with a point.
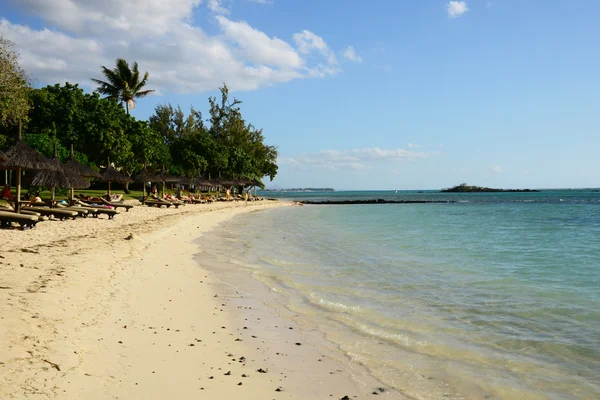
(356, 94)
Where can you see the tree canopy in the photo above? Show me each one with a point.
(14, 85)
(99, 129)
(123, 83)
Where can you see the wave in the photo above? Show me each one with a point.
(332, 305)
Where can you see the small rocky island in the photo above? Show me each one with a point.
(464, 188)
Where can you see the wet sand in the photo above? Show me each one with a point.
(97, 309)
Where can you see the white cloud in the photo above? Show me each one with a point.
(308, 42)
(159, 35)
(354, 158)
(497, 169)
(216, 7)
(457, 8)
(413, 146)
(258, 47)
(350, 54)
(137, 17)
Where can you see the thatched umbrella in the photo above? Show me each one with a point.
(21, 157)
(255, 183)
(184, 181)
(200, 181)
(145, 176)
(166, 177)
(61, 178)
(112, 175)
(79, 171)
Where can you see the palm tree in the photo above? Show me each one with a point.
(123, 84)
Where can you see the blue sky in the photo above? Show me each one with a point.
(377, 94)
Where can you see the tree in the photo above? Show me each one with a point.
(123, 84)
(14, 85)
(95, 126)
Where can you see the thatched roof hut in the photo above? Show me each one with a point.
(22, 157)
(184, 180)
(62, 178)
(200, 181)
(80, 169)
(146, 176)
(166, 177)
(112, 175)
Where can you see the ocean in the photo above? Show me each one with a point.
(489, 296)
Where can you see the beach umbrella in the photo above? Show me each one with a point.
(61, 177)
(21, 157)
(255, 183)
(184, 181)
(145, 176)
(166, 177)
(80, 171)
(112, 175)
(200, 181)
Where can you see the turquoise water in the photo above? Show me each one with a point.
(496, 296)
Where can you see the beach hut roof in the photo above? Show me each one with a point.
(241, 181)
(112, 175)
(22, 156)
(200, 181)
(184, 180)
(61, 177)
(166, 177)
(81, 169)
(146, 176)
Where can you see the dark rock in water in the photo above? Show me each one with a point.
(262, 371)
(227, 373)
(278, 389)
(298, 344)
(381, 390)
(377, 201)
(345, 398)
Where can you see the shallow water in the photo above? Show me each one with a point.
(496, 296)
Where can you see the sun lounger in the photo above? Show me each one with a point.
(116, 204)
(24, 220)
(160, 203)
(60, 214)
(96, 210)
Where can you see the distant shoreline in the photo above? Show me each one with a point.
(464, 188)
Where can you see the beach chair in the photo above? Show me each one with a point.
(24, 220)
(159, 203)
(116, 204)
(59, 214)
(96, 211)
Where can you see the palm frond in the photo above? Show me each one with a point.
(144, 93)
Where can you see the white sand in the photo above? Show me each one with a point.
(87, 314)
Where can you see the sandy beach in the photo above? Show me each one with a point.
(100, 309)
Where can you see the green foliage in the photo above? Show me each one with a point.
(123, 84)
(14, 86)
(96, 127)
(100, 129)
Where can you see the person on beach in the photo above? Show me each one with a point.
(227, 194)
(246, 198)
(6, 193)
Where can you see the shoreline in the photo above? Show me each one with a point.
(87, 313)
